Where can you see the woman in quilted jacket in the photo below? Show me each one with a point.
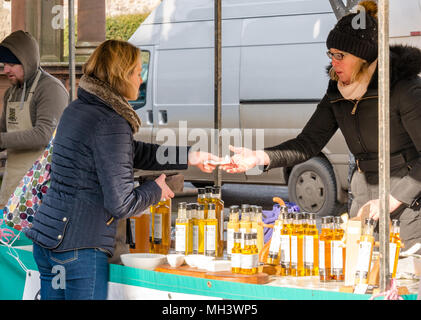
(92, 180)
(351, 104)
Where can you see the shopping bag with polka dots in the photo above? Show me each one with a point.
(26, 199)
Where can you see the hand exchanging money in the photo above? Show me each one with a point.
(245, 159)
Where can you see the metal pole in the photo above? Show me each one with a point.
(72, 73)
(384, 142)
(218, 78)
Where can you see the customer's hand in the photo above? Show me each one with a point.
(166, 192)
(374, 206)
(245, 159)
(201, 160)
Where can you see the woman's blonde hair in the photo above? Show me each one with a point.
(113, 62)
(359, 71)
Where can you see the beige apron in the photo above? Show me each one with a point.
(18, 118)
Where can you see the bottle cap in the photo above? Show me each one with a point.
(298, 216)
(338, 220)
(201, 191)
(311, 216)
(369, 221)
(182, 205)
(284, 209)
(234, 209)
(200, 207)
(216, 190)
(326, 220)
(208, 189)
(396, 223)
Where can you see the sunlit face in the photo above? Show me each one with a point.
(345, 68)
(136, 79)
(14, 73)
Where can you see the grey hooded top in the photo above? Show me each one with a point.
(48, 102)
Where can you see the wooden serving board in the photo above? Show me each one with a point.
(185, 270)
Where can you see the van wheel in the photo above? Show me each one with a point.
(312, 186)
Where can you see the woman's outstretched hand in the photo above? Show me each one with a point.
(205, 161)
(166, 192)
(245, 159)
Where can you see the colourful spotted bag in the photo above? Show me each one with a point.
(26, 199)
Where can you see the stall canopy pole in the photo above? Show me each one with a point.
(72, 76)
(217, 81)
(384, 142)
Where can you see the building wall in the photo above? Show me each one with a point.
(5, 20)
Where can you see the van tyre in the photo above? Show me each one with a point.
(312, 186)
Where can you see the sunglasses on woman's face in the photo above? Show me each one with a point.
(338, 56)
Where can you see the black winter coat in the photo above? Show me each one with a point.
(358, 121)
(92, 178)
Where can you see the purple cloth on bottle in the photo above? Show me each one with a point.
(271, 216)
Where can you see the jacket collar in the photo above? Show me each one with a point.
(112, 99)
(405, 63)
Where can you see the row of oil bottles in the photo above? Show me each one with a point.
(301, 250)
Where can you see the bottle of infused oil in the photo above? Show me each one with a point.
(201, 227)
(365, 252)
(211, 232)
(201, 196)
(274, 254)
(208, 199)
(181, 230)
(394, 247)
(285, 258)
(255, 252)
(245, 222)
(257, 227)
(325, 249)
(195, 225)
(338, 251)
(297, 246)
(248, 255)
(232, 227)
(151, 229)
(311, 246)
(236, 253)
(219, 213)
(162, 227)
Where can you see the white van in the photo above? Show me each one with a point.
(273, 75)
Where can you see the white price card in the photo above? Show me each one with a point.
(361, 288)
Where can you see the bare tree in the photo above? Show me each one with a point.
(340, 9)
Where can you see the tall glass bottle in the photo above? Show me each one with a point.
(257, 227)
(201, 195)
(274, 254)
(311, 246)
(201, 222)
(232, 227)
(245, 223)
(285, 258)
(162, 226)
(211, 232)
(219, 212)
(195, 225)
(208, 199)
(181, 230)
(247, 254)
(151, 229)
(297, 248)
(236, 254)
(338, 251)
(394, 247)
(325, 240)
(365, 253)
(255, 253)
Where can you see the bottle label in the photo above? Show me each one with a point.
(195, 238)
(285, 251)
(322, 266)
(230, 240)
(364, 258)
(133, 229)
(275, 243)
(242, 231)
(157, 234)
(248, 261)
(337, 255)
(235, 260)
(294, 252)
(309, 252)
(180, 238)
(210, 237)
(392, 255)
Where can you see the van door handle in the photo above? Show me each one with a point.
(163, 117)
(149, 121)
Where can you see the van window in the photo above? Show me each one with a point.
(141, 99)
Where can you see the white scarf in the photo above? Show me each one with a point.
(357, 89)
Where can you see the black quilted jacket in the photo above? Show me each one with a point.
(92, 178)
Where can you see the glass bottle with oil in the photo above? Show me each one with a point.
(195, 223)
(247, 254)
(285, 258)
(338, 251)
(274, 254)
(208, 199)
(325, 239)
(219, 212)
(232, 227)
(201, 196)
(255, 254)
(257, 227)
(297, 246)
(151, 229)
(201, 224)
(311, 246)
(394, 247)
(181, 230)
(162, 226)
(211, 232)
(236, 254)
(365, 253)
